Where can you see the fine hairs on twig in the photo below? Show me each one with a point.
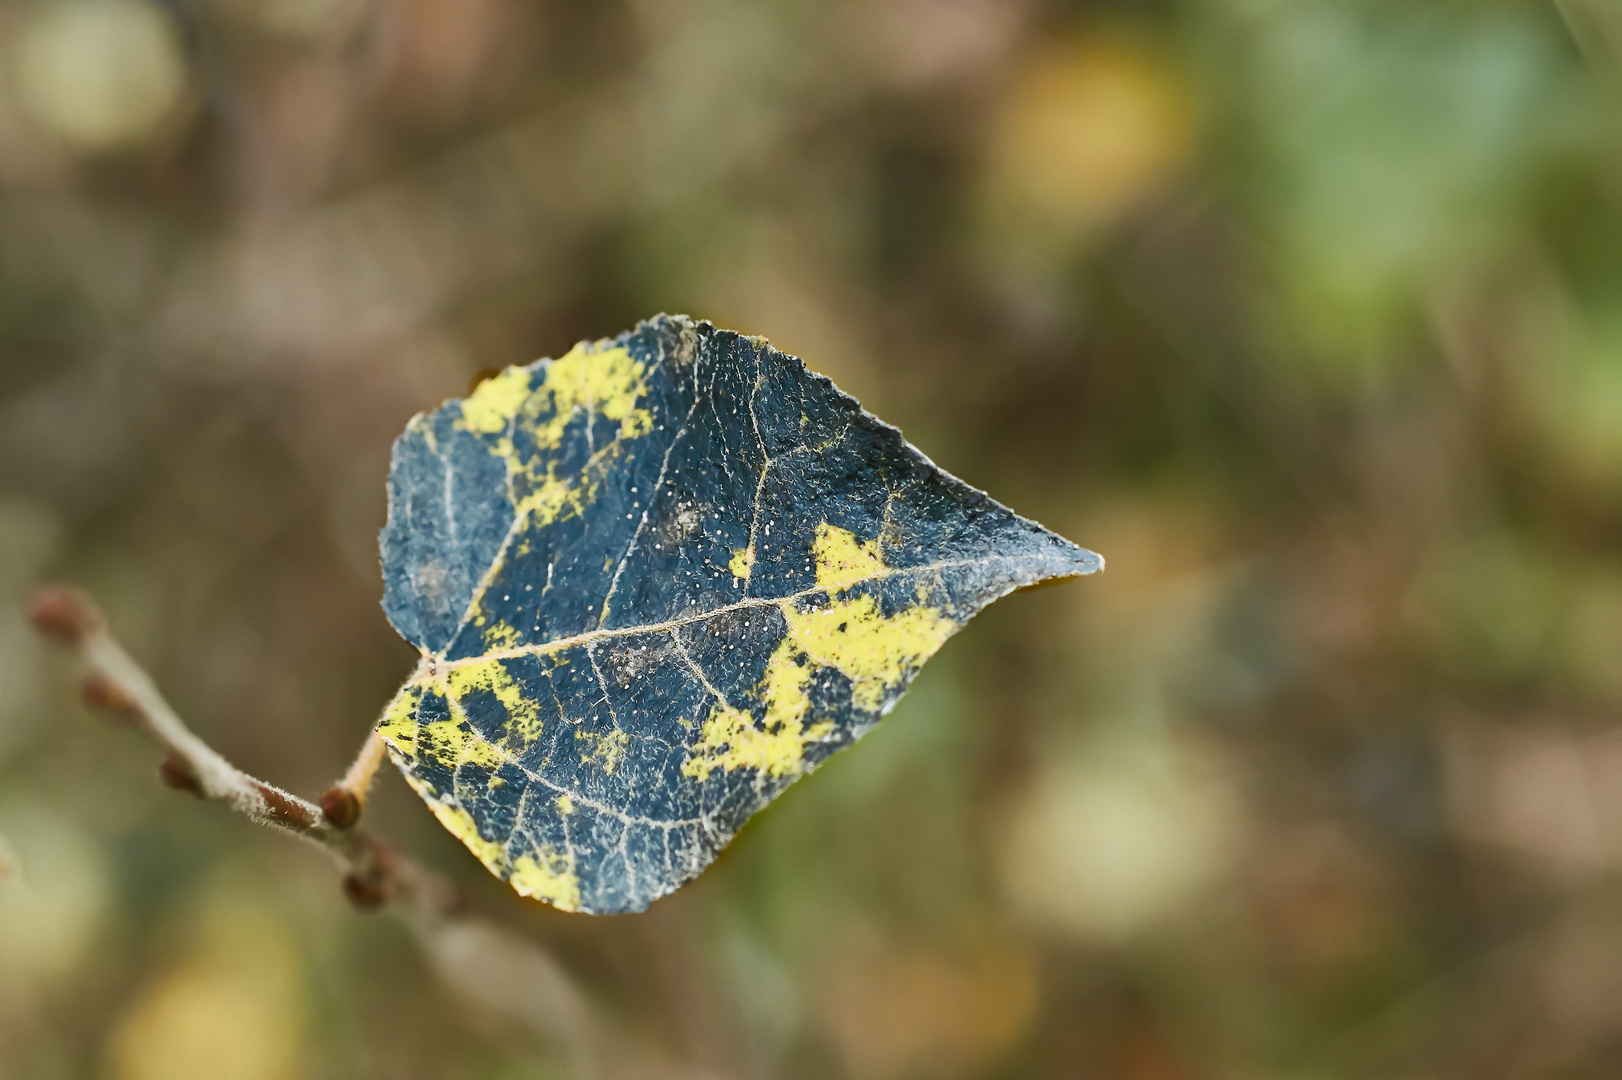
(493, 968)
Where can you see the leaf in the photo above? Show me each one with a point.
(655, 581)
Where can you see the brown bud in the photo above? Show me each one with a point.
(175, 773)
(340, 807)
(64, 613)
(480, 377)
(368, 892)
(102, 692)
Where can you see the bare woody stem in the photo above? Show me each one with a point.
(497, 971)
(374, 873)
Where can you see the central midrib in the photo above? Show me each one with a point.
(440, 664)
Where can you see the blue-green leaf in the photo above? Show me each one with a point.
(655, 581)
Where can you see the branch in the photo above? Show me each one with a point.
(9, 867)
(495, 969)
(374, 874)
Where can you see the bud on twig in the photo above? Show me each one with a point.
(64, 613)
(368, 892)
(340, 807)
(175, 773)
(102, 692)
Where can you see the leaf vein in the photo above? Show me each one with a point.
(591, 637)
(560, 789)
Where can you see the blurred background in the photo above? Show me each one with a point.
(1306, 314)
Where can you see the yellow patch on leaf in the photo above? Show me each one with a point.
(842, 560)
(729, 739)
(599, 382)
(460, 824)
(399, 724)
(490, 408)
(445, 743)
(547, 875)
(876, 653)
(606, 748)
(607, 382)
(523, 713)
(499, 634)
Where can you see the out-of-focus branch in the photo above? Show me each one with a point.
(9, 867)
(495, 969)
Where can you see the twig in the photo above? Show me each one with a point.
(464, 949)
(374, 873)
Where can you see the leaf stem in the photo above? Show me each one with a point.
(343, 803)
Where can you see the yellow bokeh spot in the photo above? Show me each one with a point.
(1088, 127)
(100, 74)
(231, 1011)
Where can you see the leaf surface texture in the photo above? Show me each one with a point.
(654, 581)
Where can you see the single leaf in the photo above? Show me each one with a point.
(653, 582)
